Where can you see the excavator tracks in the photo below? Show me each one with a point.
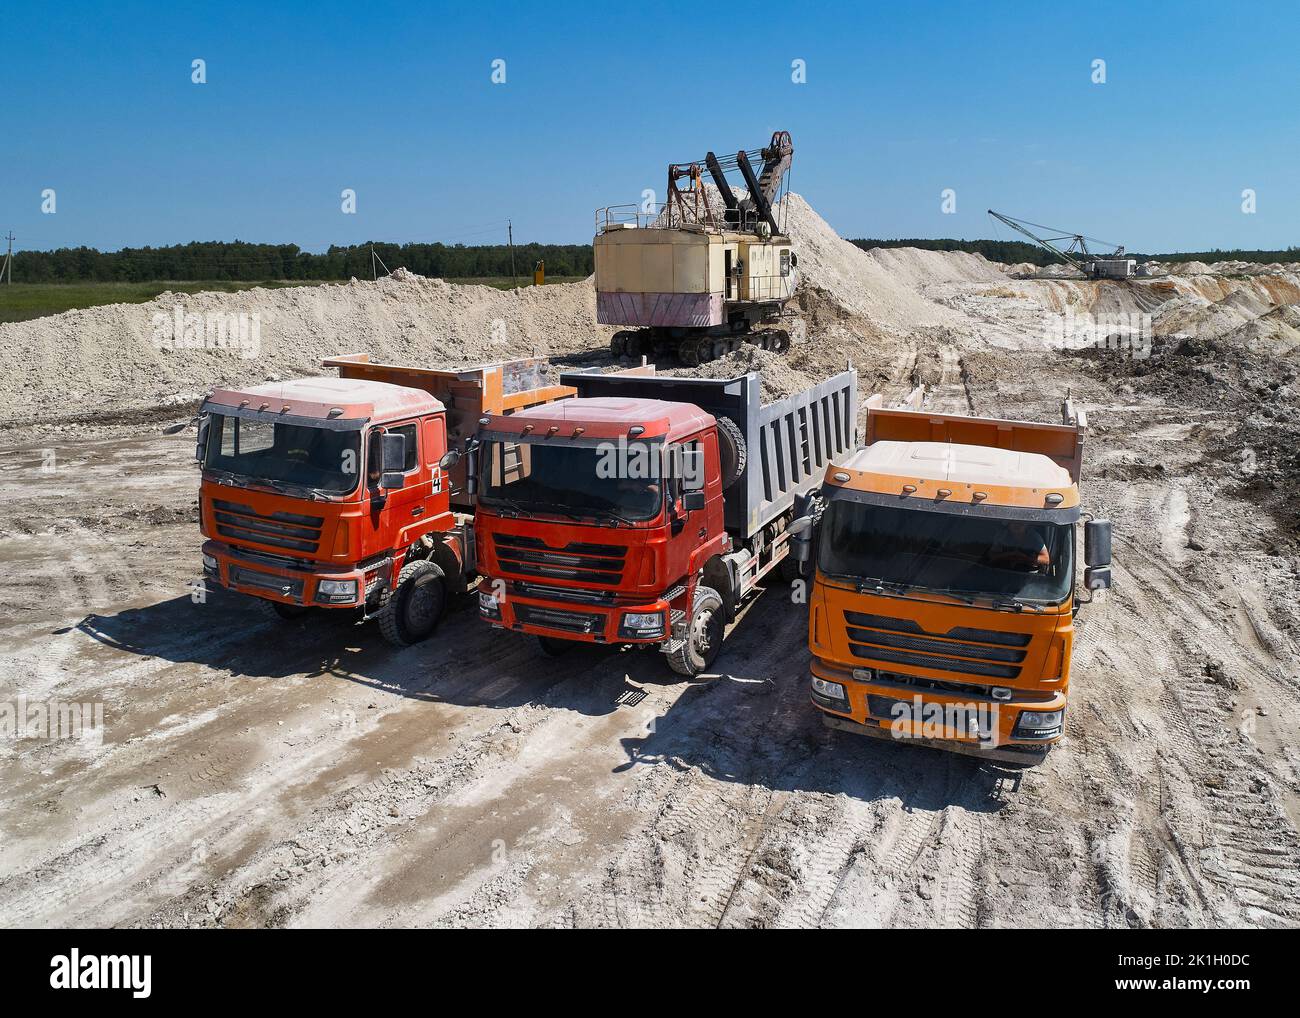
(696, 350)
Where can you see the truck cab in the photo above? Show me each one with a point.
(646, 509)
(344, 494)
(944, 582)
(310, 487)
(587, 524)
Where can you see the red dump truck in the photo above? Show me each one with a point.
(646, 508)
(339, 493)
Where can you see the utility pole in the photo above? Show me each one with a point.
(8, 266)
(510, 235)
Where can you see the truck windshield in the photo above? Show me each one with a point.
(278, 453)
(579, 480)
(960, 555)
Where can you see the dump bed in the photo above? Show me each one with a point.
(467, 394)
(1062, 443)
(790, 442)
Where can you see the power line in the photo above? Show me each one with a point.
(510, 239)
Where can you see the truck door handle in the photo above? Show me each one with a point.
(418, 511)
(703, 531)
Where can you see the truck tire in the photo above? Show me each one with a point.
(411, 612)
(554, 646)
(703, 635)
(732, 454)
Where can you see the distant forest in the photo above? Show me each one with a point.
(1013, 252)
(237, 261)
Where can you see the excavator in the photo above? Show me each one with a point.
(700, 274)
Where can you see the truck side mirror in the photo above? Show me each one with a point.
(449, 459)
(471, 468)
(693, 500)
(392, 458)
(800, 532)
(1096, 554)
(201, 442)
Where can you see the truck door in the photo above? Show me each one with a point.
(433, 443)
(405, 506)
(688, 527)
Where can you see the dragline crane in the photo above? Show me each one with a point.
(1112, 265)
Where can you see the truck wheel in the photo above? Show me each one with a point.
(703, 635)
(412, 611)
(553, 646)
(731, 451)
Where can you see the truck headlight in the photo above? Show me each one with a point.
(209, 563)
(488, 605)
(642, 624)
(830, 690)
(1040, 724)
(336, 590)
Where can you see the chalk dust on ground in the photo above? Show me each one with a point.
(257, 773)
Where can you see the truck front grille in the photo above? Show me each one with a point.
(578, 561)
(570, 622)
(962, 650)
(290, 531)
(549, 593)
(288, 586)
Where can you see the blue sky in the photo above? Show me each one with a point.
(994, 100)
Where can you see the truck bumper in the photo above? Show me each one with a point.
(967, 722)
(259, 578)
(1023, 755)
(584, 623)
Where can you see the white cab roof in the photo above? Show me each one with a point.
(961, 464)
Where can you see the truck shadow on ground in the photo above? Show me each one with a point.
(737, 729)
(751, 722)
(465, 663)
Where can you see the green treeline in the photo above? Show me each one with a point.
(1013, 252)
(237, 261)
(216, 260)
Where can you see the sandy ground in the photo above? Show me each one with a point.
(255, 773)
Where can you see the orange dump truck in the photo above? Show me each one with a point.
(942, 599)
(348, 493)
